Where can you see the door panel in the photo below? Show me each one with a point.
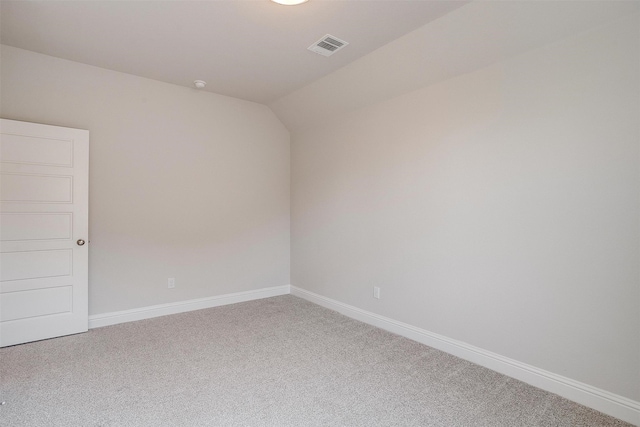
(35, 226)
(43, 212)
(36, 302)
(35, 264)
(35, 188)
(24, 149)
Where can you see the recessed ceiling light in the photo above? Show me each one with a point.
(289, 2)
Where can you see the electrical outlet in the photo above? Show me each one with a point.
(376, 292)
(171, 283)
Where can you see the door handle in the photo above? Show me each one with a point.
(80, 242)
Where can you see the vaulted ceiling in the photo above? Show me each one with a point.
(249, 49)
(257, 50)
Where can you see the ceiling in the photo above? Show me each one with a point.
(467, 39)
(249, 49)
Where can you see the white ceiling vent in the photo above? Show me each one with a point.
(327, 45)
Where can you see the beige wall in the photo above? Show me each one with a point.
(499, 208)
(183, 184)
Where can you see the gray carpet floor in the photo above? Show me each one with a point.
(274, 362)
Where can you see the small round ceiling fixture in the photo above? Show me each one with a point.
(200, 84)
(289, 2)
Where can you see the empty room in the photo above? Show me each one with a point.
(319, 213)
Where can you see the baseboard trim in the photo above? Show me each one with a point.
(113, 318)
(611, 404)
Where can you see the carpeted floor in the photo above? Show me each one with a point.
(274, 362)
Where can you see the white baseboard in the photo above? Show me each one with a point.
(113, 318)
(584, 394)
(601, 400)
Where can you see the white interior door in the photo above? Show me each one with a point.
(44, 177)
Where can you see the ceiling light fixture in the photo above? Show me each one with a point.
(200, 84)
(289, 2)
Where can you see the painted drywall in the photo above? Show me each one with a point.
(183, 183)
(499, 208)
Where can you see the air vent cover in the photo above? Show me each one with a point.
(327, 45)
